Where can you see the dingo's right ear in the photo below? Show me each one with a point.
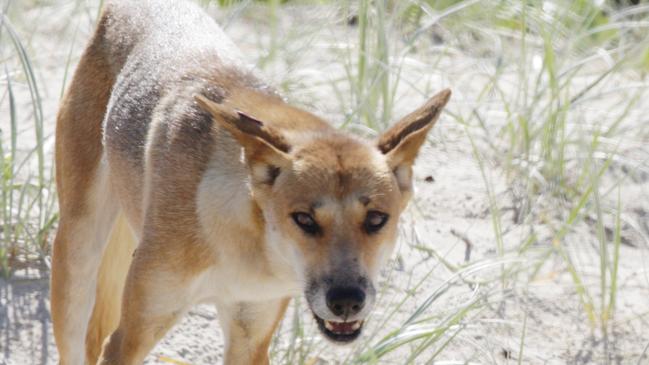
(266, 149)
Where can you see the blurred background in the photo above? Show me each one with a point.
(528, 239)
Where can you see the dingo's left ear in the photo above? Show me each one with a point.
(266, 149)
(401, 142)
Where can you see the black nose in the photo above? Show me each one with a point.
(345, 302)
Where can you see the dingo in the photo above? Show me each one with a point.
(234, 197)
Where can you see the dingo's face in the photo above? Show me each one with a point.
(331, 204)
(334, 215)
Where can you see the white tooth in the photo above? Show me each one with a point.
(356, 325)
(329, 326)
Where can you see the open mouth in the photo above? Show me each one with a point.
(340, 331)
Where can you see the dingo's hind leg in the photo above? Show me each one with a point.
(87, 207)
(78, 249)
(110, 284)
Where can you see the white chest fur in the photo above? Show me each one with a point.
(243, 271)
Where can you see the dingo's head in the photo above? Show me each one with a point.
(331, 204)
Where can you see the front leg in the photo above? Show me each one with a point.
(156, 296)
(248, 329)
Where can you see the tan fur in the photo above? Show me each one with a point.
(78, 151)
(110, 282)
(165, 129)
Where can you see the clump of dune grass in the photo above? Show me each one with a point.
(27, 204)
(542, 63)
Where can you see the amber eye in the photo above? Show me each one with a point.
(374, 221)
(306, 222)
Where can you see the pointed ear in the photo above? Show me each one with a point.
(266, 149)
(401, 142)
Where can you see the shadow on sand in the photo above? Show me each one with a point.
(25, 325)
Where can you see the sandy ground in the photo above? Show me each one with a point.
(450, 222)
